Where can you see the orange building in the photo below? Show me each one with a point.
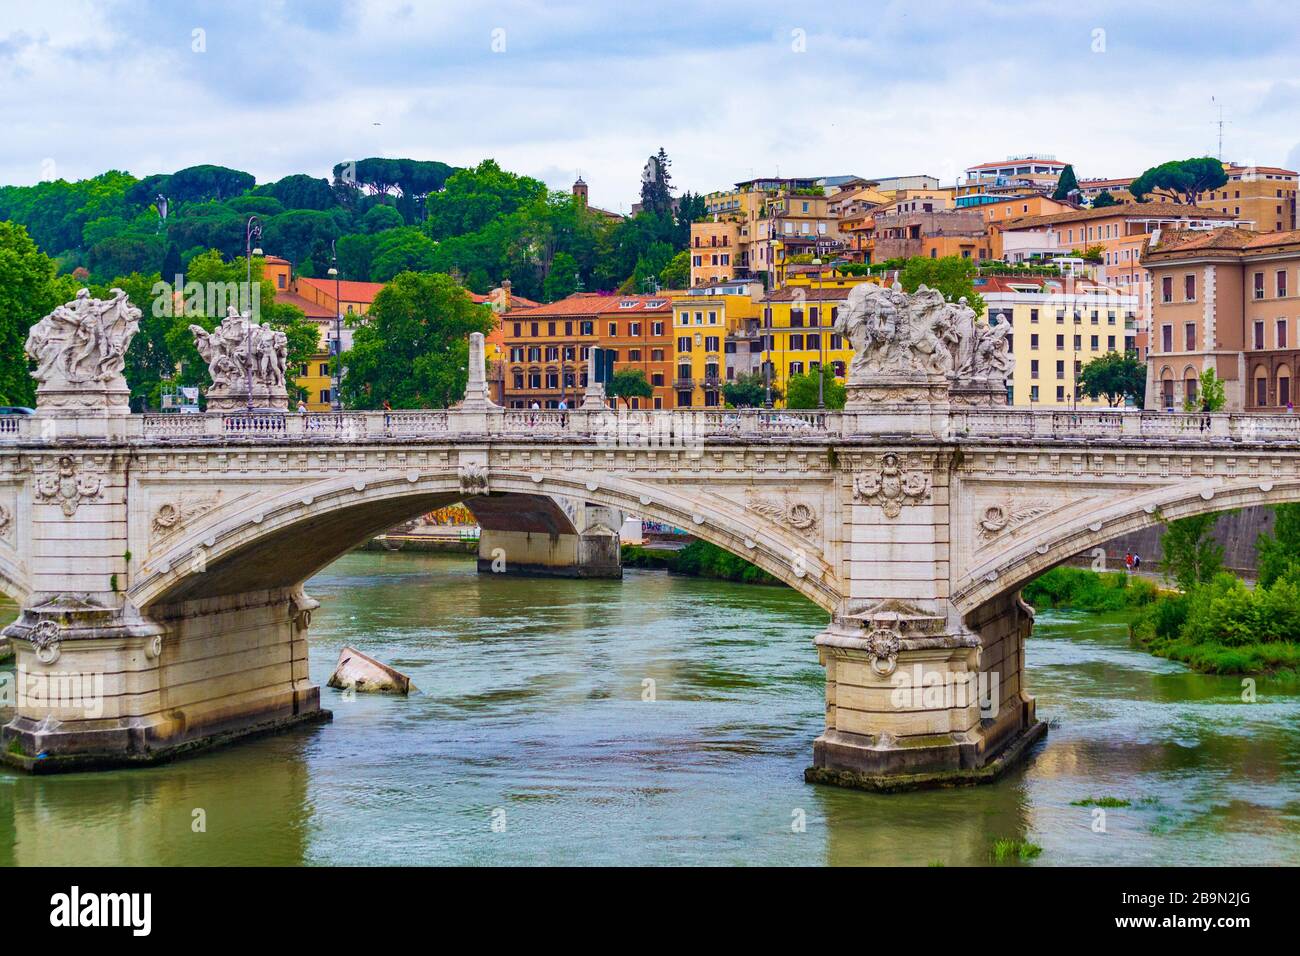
(548, 348)
(1229, 300)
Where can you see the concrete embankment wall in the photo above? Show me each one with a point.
(1236, 531)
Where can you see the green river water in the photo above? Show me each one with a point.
(530, 716)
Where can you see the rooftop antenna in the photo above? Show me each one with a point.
(1220, 123)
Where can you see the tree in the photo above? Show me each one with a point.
(629, 383)
(562, 279)
(1180, 180)
(402, 250)
(951, 275)
(801, 390)
(1066, 184)
(656, 191)
(1104, 199)
(1191, 555)
(677, 274)
(1212, 395)
(149, 360)
(748, 391)
(1279, 552)
(1115, 377)
(29, 289)
(413, 347)
(300, 191)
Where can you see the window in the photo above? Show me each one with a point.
(656, 355)
(1281, 334)
(325, 369)
(1033, 368)
(1033, 393)
(634, 355)
(684, 343)
(1259, 335)
(1033, 315)
(1060, 393)
(324, 396)
(1259, 285)
(656, 329)
(1060, 368)
(1281, 283)
(796, 343)
(1033, 340)
(710, 343)
(1166, 338)
(613, 330)
(1261, 391)
(814, 341)
(634, 329)
(796, 368)
(587, 328)
(1189, 336)
(1060, 341)
(1189, 288)
(1167, 289)
(1093, 342)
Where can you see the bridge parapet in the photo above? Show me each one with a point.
(680, 426)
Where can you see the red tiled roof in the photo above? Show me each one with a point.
(595, 303)
(311, 309)
(1151, 210)
(349, 290)
(1221, 240)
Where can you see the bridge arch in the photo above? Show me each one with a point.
(1007, 572)
(280, 542)
(13, 581)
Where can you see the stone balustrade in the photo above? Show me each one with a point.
(953, 424)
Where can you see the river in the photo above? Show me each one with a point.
(531, 742)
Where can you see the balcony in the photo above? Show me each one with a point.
(684, 384)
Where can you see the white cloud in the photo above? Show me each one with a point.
(291, 86)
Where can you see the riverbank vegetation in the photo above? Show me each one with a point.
(1213, 621)
(699, 559)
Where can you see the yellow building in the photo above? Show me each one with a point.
(756, 228)
(1058, 325)
(728, 329)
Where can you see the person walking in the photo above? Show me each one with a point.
(1137, 561)
(1128, 561)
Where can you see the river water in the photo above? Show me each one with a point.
(531, 742)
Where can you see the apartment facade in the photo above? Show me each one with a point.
(757, 227)
(548, 348)
(1058, 326)
(1226, 300)
(1262, 198)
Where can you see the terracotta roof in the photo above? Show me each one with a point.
(1220, 240)
(811, 294)
(311, 309)
(349, 290)
(1152, 210)
(596, 303)
(994, 284)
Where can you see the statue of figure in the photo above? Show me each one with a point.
(82, 344)
(242, 354)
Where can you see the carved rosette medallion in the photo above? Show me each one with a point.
(46, 637)
(174, 514)
(69, 486)
(796, 515)
(883, 644)
(894, 483)
(998, 518)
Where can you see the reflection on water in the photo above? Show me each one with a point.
(532, 711)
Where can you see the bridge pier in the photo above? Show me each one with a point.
(102, 686)
(927, 710)
(547, 536)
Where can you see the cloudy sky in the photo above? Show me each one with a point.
(730, 90)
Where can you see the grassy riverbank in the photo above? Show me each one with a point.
(698, 559)
(1221, 627)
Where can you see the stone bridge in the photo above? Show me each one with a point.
(162, 558)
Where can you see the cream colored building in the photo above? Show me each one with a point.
(1058, 325)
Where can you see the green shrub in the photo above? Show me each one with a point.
(1086, 590)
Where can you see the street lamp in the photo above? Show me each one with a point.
(252, 230)
(337, 378)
